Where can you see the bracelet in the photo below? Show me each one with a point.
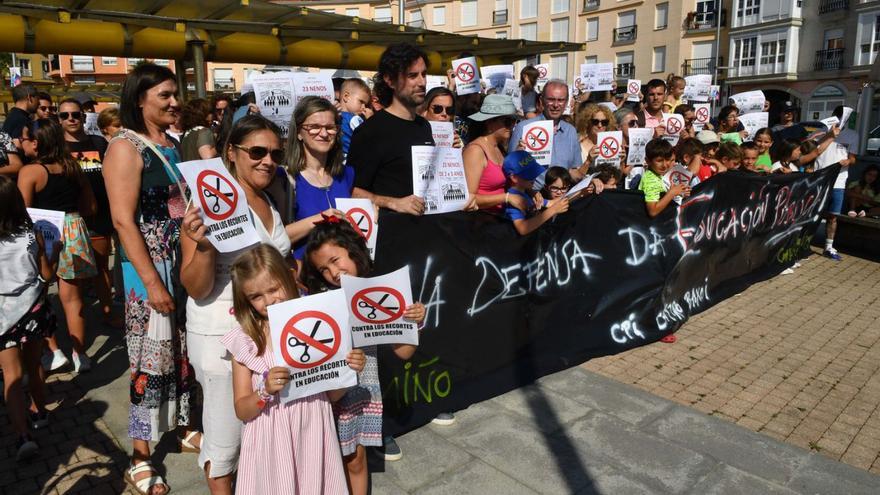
(264, 397)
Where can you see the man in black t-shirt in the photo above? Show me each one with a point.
(26, 103)
(381, 147)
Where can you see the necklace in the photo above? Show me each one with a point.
(317, 180)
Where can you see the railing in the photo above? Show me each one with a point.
(27, 73)
(591, 5)
(625, 70)
(224, 84)
(697, 21)
(383, 19)
(625, 34)
(829, 59)
(826, 6)
(499, 17)
(693, 66)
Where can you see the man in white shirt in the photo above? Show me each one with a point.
(846, 146)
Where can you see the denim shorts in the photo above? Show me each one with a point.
(836, 203)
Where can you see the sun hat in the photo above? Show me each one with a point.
(494, 106)
(707, 137)
(522, 164)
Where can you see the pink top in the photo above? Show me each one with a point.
(492, 180)
(287, 448)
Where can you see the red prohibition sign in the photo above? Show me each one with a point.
(215, 211)
(702, 114)
(609, 147)
(633, 88)
(363, 224)
(677, 177)
(309, 341)
(366, 306)
(542, 72)
(537, 139)
(673, 126)
(466, 72)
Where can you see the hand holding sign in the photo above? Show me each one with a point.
(538, 139)
(467, 80)
(361, 214)
(378, 307)
(610, 146)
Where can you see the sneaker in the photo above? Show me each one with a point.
(81, 363)
(669, 339)
(796, 264)
(392, 450)
(27, 448)
(54, 361)
(39, 419)
(832, 253)
(787, 271)
(444, 419)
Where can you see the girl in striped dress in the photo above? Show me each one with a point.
(285, 448)
(334, 248)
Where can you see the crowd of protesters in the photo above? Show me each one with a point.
(195, 320)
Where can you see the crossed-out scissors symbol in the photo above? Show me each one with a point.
(295, 342)
(210, 194)
(372, 314)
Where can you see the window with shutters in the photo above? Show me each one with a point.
(593, 29)
(559, 29)
(869, 38)
(559, 66)
(528, 9)
(382, 14)
(468, 13)
(661, 16)
(529, 31)
(559, 6)
(440, 15)
(353, 12)
(659, 61)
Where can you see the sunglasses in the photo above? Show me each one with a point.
(438, 109)
(315, 129)
(603, 123)
(633, 123)
(257, 153)
(70, 115)
(48, 109)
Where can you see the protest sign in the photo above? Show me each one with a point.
(91, 124)
(697, 87)
(752, 122)
(543, 74)
(438, 178)
(538, 138)
(638, 139)
(678, 175)
(312, 84)
(49, 223)
(829, 122)
(311, 336)
(633, 90)
(833, 154)
(610, 144)
(673, 124)
(609, 105)
(224, 207)
(361, 214)
(597, 77)
(495, 75)
(512, 89)
(467, 81)
(580, 186)
(274, 93)
(702, 114)
(749, 102)
(844, 117)
(435, 82)
(714, 92)
(376, 309)
(444, 134)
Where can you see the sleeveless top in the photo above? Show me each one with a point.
(213, 314)
(60, 194)
(492, 180)
(20, 283)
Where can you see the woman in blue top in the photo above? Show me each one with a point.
(314, 157)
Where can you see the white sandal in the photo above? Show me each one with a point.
(187, 446)
(144, 485)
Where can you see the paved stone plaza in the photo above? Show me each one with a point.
(776, 390)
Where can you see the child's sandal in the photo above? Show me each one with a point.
(144, 485)
(186, 444)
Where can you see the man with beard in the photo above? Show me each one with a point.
(381, 147)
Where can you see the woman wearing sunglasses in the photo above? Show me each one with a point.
(483, 156)
(592, 120)
(439, 106)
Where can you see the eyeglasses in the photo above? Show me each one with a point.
(555, 189)
(70, 115)
(633, 123)
(315, 129)
(603, 122)
(507, 121)
(44, 108)
(259, 152)
(438, 109)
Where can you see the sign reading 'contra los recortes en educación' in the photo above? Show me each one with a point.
(504, 310)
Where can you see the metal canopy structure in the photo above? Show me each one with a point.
(248, 31)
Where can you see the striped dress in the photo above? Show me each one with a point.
(288, 448)
(359, 412)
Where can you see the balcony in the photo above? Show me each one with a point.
(826, 6)
(625, 34)
(829, 59)
(499, 17)
(700, 21)
(694, 66)
(27, 72)
(591, 5)
(627, 71)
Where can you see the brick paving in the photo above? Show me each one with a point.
(795, 357)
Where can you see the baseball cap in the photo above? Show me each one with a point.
(707, 137)
(788, 107)
(522, 164)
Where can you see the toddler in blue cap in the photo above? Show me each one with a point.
(521, 170)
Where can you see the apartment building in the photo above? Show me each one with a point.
(643, 39)
(34, 68)
(816, 54)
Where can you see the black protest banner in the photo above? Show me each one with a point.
(503, 310)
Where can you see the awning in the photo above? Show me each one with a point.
(246, 31)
